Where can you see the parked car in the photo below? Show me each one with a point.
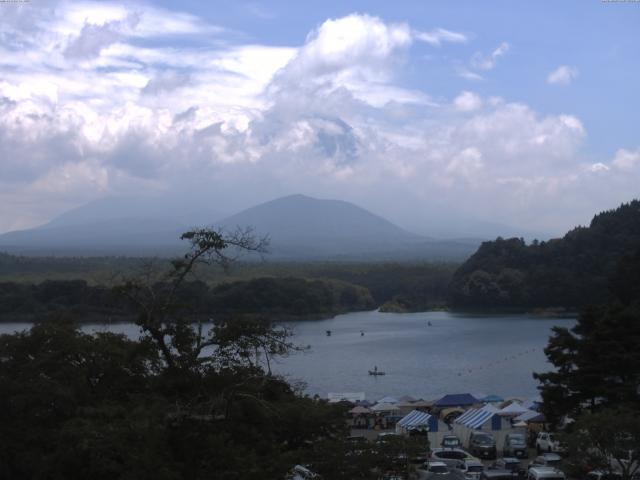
(482, 445)
(300, 472)
(600, 475)
(435, 470)
(511, 464)
(496, 474)
(545, 473)
(515, 445)
(548, 442)
(450, 456)
(471, 469)
(451, 441)
(546, 460)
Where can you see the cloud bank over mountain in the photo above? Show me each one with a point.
(99, 99)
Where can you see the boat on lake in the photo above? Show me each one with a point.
(376, 372)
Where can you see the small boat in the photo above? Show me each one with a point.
(328, 333)
(376, 372)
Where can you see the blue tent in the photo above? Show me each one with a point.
(457, 400)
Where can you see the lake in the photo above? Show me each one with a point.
(479, 354)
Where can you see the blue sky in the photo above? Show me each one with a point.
(429, 113)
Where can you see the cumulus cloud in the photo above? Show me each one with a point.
(563, 75)
(88, 110)
(627, 160)
(467, 102)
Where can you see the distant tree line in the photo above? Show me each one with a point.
(274, 297)
(569, 272)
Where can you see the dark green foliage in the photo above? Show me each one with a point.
(606, 440)
(570, 272)
(598, 360)
(275, 297)
(289, 296)
(76, 406)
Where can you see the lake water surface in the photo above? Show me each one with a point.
(458, 353)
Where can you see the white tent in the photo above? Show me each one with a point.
(513, 409)
(384, 407)
(526, 416)
(388, 400)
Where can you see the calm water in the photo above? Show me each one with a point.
(457, 353)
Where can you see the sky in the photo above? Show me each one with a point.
(426, 112)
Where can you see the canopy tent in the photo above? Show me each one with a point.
(474, 418)
(359, 410)
(532, 404)
(388, 400)
(526, 416)
(384, 407)
(490, 408)
(423, 404)
(493, 399)
(407, 399)
(513, 409)
(457, 400)
(450, 414)
(540, 418)
(520, 424)
(417, 419)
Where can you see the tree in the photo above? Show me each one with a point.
(608, 440)
(182, 402)
(155, 295)
(597, 362)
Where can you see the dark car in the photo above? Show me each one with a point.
(515, 445)
(482, 445)
(511, 464)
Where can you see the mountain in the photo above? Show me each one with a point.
(568, 272)
(299, 227)
(305, 227)
(114, 226)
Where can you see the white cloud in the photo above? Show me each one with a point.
(467, 102)
(245, 122)
(626, 160)
(488, 62)
(598, 167)
(468, 74)
(439, 36)
(563, 75)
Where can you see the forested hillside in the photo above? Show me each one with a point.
(568, 272)
(276, 298)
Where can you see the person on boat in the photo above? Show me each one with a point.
(362, 333)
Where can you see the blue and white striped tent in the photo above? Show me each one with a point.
(417, 419)
(486, 419)
(479, 418)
